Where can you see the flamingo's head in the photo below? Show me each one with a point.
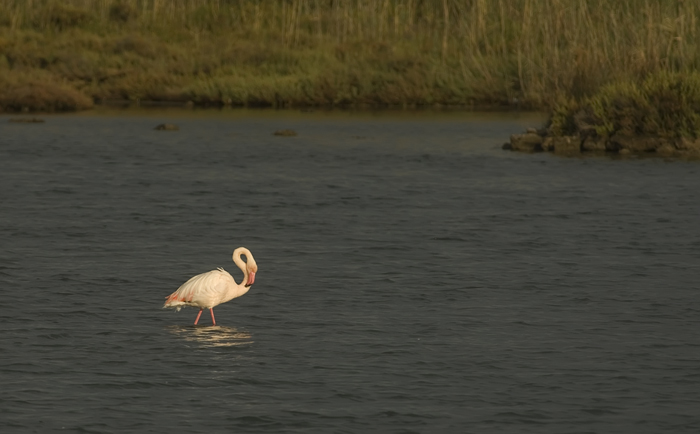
(252, 268)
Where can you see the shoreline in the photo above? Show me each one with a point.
(218, 105)
(189, 105)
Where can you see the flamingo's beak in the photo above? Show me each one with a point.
(251, 279)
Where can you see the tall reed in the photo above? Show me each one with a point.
(361, 51)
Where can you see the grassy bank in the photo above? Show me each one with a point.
(57, 55)
(662, 105)
(658, 115)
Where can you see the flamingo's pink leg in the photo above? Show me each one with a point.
(212, 316)
(198, 315)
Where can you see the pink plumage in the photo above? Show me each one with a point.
(210, 289)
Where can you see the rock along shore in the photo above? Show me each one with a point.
(586, 140)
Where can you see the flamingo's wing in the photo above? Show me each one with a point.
(202, 290)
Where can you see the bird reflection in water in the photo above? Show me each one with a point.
(212, 336)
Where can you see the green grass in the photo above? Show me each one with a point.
(662, 105)
(322, 52)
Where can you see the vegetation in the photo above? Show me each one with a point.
(662, 105)
(65, 54)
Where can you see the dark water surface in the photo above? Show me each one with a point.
(413, 278)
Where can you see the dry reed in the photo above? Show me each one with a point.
(293, 52)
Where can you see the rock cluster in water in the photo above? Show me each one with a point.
(26, 120)
(285, 133)
(167, 127)
(586, 139)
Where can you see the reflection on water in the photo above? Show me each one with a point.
(212, 336)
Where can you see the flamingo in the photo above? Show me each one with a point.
(210, 289)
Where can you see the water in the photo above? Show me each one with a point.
(414, 278)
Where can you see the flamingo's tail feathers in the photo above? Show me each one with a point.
(177, 301)
(177, 307)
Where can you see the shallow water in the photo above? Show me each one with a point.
(413, 277)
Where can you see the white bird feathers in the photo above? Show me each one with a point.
(210, 289)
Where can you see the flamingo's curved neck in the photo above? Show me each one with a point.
(242, 265)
